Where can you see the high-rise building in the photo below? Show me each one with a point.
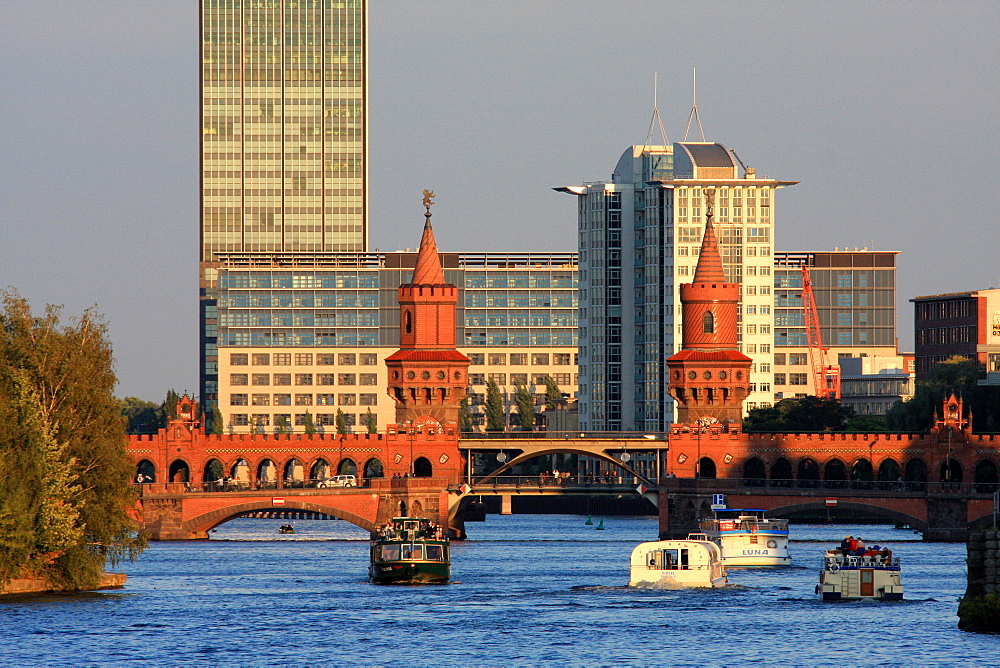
(284, 98)
(639, 237)
(855, 293)
(965, 324)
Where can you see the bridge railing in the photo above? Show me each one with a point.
(563, 482)
(292, 487)
(856, 487)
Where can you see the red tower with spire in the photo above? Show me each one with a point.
(709, 376)
(428, 376)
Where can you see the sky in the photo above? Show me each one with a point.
(886, 112)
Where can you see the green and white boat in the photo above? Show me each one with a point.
(410, 550)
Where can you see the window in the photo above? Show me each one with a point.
(751, 348)
(540, 359)
(518, 379)
(477, 379)
(844, 299)
(844, 319)
(326, 359)
(498, 359)
(368, 400)
(347, 359)
(844, 338)
(765, 387)
(282, 400)
(261, 400)
(708, 323)
(779, 379)
(751, 271)
(751, 309)
(499, 378)
(797, 378)
(261, 379)
(238, 379)
(518, 359)
(369, 378)
(282, 359)
(303, 379)
(477, 359)
(239, 419)
(538, 378)
(561, 379)
(562, 359)
(347, 379)
(326, 419)
(765, 368)
(750, 289)
(261, 359)
(282, 379)
(238, 399)
(325, 399)
(347, 399)
(238, 359)
(326, 378)
(751, 329)
(303, 359)
(369, 359)
(798, 358)
(765, 329)
(779, 358)
(303, 399)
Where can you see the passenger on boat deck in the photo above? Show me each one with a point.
(859, 548)
(845, 544)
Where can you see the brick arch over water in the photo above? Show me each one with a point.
(207, 521)
(875, 510)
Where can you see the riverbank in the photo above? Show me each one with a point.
(21, 586)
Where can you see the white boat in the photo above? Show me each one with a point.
(677, 563)
(747, 538)
(847, 577)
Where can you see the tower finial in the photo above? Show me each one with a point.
(694, 107)
(655, 119)
(428, 201)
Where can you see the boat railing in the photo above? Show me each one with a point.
(737, 525)
(839, 562)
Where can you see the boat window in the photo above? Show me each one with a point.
(435, 553)
(664, 560)
(684, 560)
(413, 552)
(390, 552)
(753, 540)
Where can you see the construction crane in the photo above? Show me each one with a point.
(826, 377)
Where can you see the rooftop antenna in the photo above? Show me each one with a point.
(694, 107)
(655, 119)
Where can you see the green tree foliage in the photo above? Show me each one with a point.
(143, 417)
(525, 408)
(66, 498)
(371, 422)
(310, 426)
(553, 395)
(465, 415)
(959, 375)
(170, 407)
(495, 418)
(215, 421)
(281, 425)
(342, 427)
(808, 414)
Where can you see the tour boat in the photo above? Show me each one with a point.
(677, 563)
(409, 550)
(845, 576)
(747, 538)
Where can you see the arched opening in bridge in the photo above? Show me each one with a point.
(916, 475)
(951, 470)
(986, 478)
(422, 468)
(706, 468)
(754, 474)
(835, 474)
(267, 475)
(145, 469)
(179, 471)
(374, 469)
(781, 473)
(347, 467)
(213, 474)
(240, 472)
(808, 473)
(861, 472)
(320, 470)
(293, 475)
(888, 474)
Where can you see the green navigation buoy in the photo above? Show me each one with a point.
(600, 526)
(589, 521)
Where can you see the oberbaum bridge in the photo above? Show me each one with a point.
(940, 483)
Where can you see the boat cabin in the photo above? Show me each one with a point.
(679, 563)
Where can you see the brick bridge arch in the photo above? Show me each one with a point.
(202, 524)
(895, 515)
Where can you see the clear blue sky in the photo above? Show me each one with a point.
(887, 112)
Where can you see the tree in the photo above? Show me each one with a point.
(143, 417)
(215, 422)
(525, 407)
(553, 395)
(169, 406)
(66, 498)
(342, 427)
(281, 425)
(310, 426)
(495, 418)
(807, 414)
(465, 415)
(956, 374)
(371, 422)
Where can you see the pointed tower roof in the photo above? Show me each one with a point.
(709, 268)
(428, 268)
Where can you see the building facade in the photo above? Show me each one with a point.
(284, 99)
(872, 384)
(639, 238)
(961, 323)
(855, 293)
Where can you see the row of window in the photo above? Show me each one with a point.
(303, 379)
(791, 379)
(561, 379)
(303, 359)
(303, 399)
(266, 419)
(961, 308)
(942, 335)
(521, 359)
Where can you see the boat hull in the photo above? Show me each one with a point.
(409, 572)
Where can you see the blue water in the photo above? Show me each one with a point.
(529, 589)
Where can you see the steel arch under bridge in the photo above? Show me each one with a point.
(521, 450)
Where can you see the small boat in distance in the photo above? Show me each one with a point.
(874, 574)
(409, 550)
(677, 563)
(286, 528)
(747, 538)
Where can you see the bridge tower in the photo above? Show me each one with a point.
(709, 376)
(428, 376)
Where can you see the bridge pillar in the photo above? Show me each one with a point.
(947, 519)
(163, 519)
(505, 504)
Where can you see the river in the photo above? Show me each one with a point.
(529, 589)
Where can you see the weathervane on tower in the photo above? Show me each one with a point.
(428, 200)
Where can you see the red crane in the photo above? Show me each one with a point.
(826, 377)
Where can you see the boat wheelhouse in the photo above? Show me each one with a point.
(409, 550)
(677, 563)
(874, 574)
(747, 538)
